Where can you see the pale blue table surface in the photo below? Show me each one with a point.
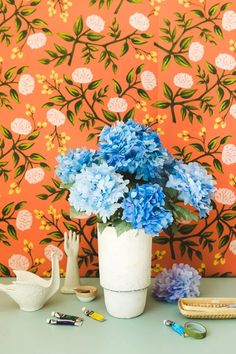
(28, 333)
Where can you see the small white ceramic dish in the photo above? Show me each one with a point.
(86, 293)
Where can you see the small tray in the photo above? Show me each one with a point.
(208, 307)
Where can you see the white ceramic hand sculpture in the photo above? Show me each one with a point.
(71, 247)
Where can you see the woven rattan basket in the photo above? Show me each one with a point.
(208, 307)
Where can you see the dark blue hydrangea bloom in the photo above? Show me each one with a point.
(173, 284)
(144, 209)
(195, 186)
(72, 163)
(133, 148)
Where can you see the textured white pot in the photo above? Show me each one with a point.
(125, 270)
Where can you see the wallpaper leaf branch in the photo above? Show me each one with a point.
(67, 69)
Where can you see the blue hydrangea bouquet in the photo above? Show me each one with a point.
(132, 181)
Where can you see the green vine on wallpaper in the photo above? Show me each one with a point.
(19, 12)
(91, 46)
(109, 3)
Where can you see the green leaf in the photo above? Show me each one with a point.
(45, 166)
(15, 158)
(229, 216)
(56, 234)
(211, 68)
(124, 49)
(6, 133)
(117, 87)
(9, 73)
(223, 241)
(182, 61)
(14, 95)
(78, 26)
(183, 214)
(39, 22)
(94, 84)
(71, 117)
(4, 270)
(184, 44)
(93, 36)
(12, 231)
(19, 170)
(168, 93)
(218, 166)
(212, 144)
(60, 49)
(188, 93)
(225, 6)
(35, 2)
(161, 240)
(129, 114)
(42, 196)
(33, 136)
(110, 116)
(78, 105)
(44, 61)
(91, 221)
(143, 94)
(66, 36)
(161, 104)
(58, 99)
(219, 228)
(186, 229)
(199, 13)
(21, 36)
(138, 41)
(22, 69)
(27, 12)
(229, 81)
(212, 11)
(224, 105)
(45, 241)
(139, 69)
(68, 80)
(220, 93)
(225, 139)
(20, 205)
(73, 92)
(70, 227)
(101, 227)
(165, 62)
(122, 226)
(7, 209)
(37, 157)
(130, 76)
(197, 147)
(218, 31)
(25, 146)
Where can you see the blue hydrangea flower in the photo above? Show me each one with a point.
(72, 163)
(133, 148)
(98, 190)
(194, 184)
(173, 284)
(144, 209)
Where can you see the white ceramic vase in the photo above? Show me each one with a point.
(125, 270)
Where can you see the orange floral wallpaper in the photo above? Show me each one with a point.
(67, 68)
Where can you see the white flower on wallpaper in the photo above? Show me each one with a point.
(56, 117)
(183, 80)
(229, 20)
(95, 23)
(18, 262)
(229, 154)
(34, 175)
(82, 75)
(232, 246)
(232, 110)
(225, 196)
(139, 21)
(21, 126)
(196, 51)
(24, 220)
(225, 61)
(148, 80)
(48, 250)
(117, 104)
(36, 40)
(26, 84)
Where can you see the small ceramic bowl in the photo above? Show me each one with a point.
(86, 293)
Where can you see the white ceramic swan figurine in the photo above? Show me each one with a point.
(30, 291)
(71, 246)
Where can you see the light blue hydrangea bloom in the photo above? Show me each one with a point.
(173, 284)
(194, 184)
(133, 148)
(144, 209)
(98, 190)
(72, 163)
